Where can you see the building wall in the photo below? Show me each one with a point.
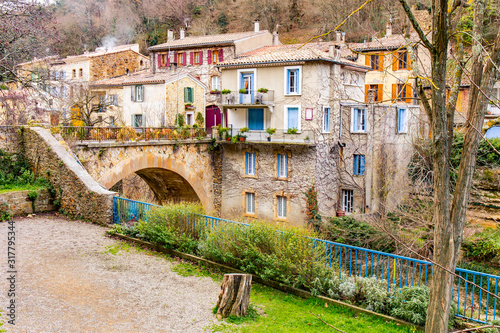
(152, 107)
(70, 65)
(253, 43)
(175, 94)
(19, 204)
(115, 64)
(265, 185)
(112, 110)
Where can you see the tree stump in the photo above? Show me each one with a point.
(234, 297)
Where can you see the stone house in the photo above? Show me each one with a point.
(200, 55)
(155, 100)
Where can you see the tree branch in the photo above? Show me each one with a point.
(416, 26)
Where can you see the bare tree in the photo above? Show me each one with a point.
(87, 106)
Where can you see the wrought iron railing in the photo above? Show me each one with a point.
(281, 135)
(472, 303)
(248, 97)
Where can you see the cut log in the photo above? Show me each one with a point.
(234, 297)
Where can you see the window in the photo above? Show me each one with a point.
(358, 120)
(326, 119)
(163, 59)
(137, 120)
(347, 201)
(282, 165)
(216, 83)
(401, 60)
(375, 61)
(377, 90)
(402, 92)
(250, 200)
(292, 117)
(188, 95)
(292, 80)
(250, 164)
(359, 165)
(80, 72)
(196, 58)
(181, 58)
(73, 75)
(282, 205)
(137, 93)
(189, 118)
(111, 120)
(113, 99)
(215, 56)
(402, 119)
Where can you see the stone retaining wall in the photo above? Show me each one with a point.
(19, 204)
(79, 194)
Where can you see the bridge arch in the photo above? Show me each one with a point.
(166, 176)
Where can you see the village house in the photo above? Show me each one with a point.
(324, 134)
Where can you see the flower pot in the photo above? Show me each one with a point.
(228, 138)
(243, 139)
(269, 138)
(340, 213)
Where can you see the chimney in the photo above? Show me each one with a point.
(182, 33)
(256, 26)
(343, 36)
(276, 40)
(337, 36)
(388, 29)
(170, 35)
(331, 51)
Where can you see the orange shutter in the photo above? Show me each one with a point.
(409, 93)
(380, 91)
(394, 92)
(394, 61)
(367, 87)
(367, 60)
(381, 62)
(408, 61)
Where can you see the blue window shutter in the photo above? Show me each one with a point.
(356, 163)
(246, 163)
(297, 81)
(361, 164)
(287, 81)
(279, 165)
(355, 120)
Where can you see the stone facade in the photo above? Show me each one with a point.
(175, 94)
(113, 64)
(9, 139)
(78, 193)
(19, 203)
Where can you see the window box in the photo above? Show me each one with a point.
(215, 92)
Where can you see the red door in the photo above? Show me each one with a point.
(213, 117)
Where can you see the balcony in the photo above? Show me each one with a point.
(280, 136)
(246, 98)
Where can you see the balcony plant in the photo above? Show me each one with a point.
(189, 105)
(244, 130)
(292, 130)
(225, 91)
(215, 91)
(270, 131)
(263, 90)
(242, 91)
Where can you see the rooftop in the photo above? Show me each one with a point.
(143, 77)
(389, 43)
(207, 40)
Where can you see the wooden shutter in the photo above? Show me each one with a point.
(409, 93)
(408, 61)
(168, 58)
(361, 165)
(184, 59)
(367, 60)
(394, 92)
(186, 94)
(132, 97)
(191, 60)
(175, 57)
(221, 56)
(209, 57)
(356, 158)
(367, 87)
(380, 91)
(394, 61)
(159, 59)
(381, 62)
(201, 58)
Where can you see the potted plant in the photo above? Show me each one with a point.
(270, 131)
(242, 138)
(242, 91)
(189, 105)
(244, 130)
(340, 213)
(228, 137)
(225, 91)
(292, 130)
(263, 90)
(215, 91)
(306, 139)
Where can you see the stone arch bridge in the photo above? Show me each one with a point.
(183, 170)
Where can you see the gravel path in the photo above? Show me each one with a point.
(69, 281)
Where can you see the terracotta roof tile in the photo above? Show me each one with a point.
(192, 41)
(142, 77)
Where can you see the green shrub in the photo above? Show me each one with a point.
(272, 252)
(410, 304)
(5, 213)
(353, 232)
(482, 247)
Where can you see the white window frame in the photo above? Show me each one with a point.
(357, 130)
(142, 120)
(347, 200)
(216, 83)
(285, 108)
(190, 113)
(139, 93)
(250, 163)
(246, 71)
(326, 129)
(250, 203)
(281, 202)
(282, 171)
(404, 129)
(285, 79)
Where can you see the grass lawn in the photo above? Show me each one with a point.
(16, 188)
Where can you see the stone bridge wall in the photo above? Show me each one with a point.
(182, 170)
(79, 194)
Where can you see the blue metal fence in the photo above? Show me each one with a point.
(472, 302)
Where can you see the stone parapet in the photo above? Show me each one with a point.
(19, 204)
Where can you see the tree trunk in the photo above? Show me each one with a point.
(235, 295)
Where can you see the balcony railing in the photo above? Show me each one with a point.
(129, 134)
(249, 97)
(281, 136)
